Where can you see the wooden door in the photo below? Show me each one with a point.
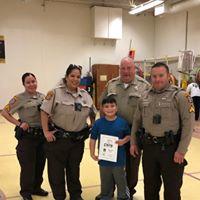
(102, 73)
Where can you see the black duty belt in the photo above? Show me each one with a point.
(75, 136)
(35, 131)
(169, 139)
(32, 132)
(154, 139)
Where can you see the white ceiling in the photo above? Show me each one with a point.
(113, 3)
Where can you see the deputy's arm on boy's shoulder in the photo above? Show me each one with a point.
(92, 149)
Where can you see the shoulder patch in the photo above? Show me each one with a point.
(11, 103)
(191, 109)
(7, 108)
(13, 100)
(187, 95)
(49, 95)
(189, 98)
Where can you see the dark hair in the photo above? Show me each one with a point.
(70, 68)
(161, 64)
(108, 99)
(26, 75)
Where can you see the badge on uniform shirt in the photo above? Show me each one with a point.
(34, 97)
(49, 95)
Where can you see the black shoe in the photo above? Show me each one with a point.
(132, 193)
(29, 197)
(40, 192)
(76, 198)
(99, 197)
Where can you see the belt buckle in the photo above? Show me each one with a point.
(65, 135)
(155, 140)
(80, 137)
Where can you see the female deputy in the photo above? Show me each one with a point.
(67, 107)
(29, 133)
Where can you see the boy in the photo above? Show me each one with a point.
(111, 125)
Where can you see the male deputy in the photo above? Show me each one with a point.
(166, 114)
(127, 89)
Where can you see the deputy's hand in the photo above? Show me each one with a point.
(49, 135)
(94, 157)
(178, 157)
(134, 150)
(24, 126)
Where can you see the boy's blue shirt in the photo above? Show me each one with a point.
(119, 128)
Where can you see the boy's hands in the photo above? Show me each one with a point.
(94, 157)
(123, 141)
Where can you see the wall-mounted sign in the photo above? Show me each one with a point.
(2, 50)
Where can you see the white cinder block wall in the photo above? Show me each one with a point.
(46, 42)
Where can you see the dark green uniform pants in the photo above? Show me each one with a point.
(64, 155)
(30, 153)
(159, 163)
(132, 169)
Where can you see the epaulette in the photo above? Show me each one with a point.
(177, 88)
(60, 86)
(112, 80)
(141, 79)
(83, 90)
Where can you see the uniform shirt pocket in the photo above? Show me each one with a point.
(133, 99)
(146, 108)
(165, 110)
(85, 110)
(31, 108)
(63, 108)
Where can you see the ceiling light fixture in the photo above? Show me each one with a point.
(159, 10)
(145, 6)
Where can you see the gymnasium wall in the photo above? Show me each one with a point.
(170, 33)
(46, 40)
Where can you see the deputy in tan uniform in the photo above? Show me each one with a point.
(68, 108)
(127, 89)
(30, 152)
(166, 114)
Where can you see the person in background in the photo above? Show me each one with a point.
(111, 125)
(172, 79)
(30, 147)
(194, 90)
(66, 108)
